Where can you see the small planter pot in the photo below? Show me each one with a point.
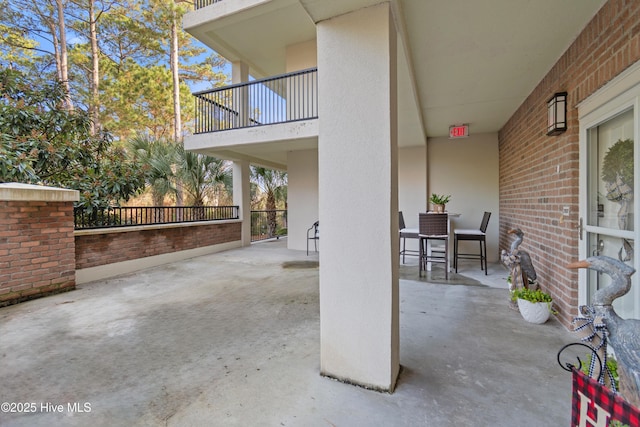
(438, 208)
(534, 312)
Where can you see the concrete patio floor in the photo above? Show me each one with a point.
(232, 339)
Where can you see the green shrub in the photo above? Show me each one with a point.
(530, 295)
(612, 366)
(439, 199)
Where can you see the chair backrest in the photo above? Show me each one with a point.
(401, 220)
(433, 224)
(485, 222)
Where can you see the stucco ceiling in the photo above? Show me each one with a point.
(460, 61)
(476, 61)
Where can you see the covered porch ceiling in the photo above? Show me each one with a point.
(459, 61)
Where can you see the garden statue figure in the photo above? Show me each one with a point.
(622, 334)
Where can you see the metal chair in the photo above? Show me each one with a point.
(406, 233)
(315, 236)
(433, 226)
(480, 236)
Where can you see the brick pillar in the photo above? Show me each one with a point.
(37, 249)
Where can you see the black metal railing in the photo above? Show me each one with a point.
(131, 216)
(199, 4)
(280, 99)
(268, 224)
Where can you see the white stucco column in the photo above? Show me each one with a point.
(242, 197)
(240, 74)
(358, 198)
(302, 195)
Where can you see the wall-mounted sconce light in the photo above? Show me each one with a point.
(557, 114)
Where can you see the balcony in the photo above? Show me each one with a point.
(280, 99)
(199, 4)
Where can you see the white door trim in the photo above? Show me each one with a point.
(616, 87)
(619, 95)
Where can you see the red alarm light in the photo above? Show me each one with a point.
(459, 131)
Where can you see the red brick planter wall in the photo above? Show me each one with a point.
(109, 246)
(40, 251)
(37, 256)
(539, 173)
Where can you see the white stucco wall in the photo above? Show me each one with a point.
(302, 196)
(412, 187)
(242, 197)
(467, 168)
(301, 56)
(358, 204)
(303, 191)
(204, 15)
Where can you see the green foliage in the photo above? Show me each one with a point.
(41, 143)
(133, 40)
(534, 296)
(203, 178)
(18, 47)
(161, 157)
(136, 98)
(439, 199)
(530, 295)
(16, 51)
(269, 188)
(619, 162)
(206, 70)
(612, 366)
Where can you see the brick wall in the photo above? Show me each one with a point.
(539, 173)
(96, 248)
(37, 256)
(40, 252)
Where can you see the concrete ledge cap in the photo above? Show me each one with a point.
(147, 227)
(36, 193)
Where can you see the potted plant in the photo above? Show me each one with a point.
(439, 201)
(534, 305)
(612, 367)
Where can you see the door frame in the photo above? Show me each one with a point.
(617, 96)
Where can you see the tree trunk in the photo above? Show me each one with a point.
(177, 120)
(271, 214)
(64, 61)
(95, 70)
(174, 64)
(50, 23)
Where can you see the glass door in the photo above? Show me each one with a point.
(609, 214)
